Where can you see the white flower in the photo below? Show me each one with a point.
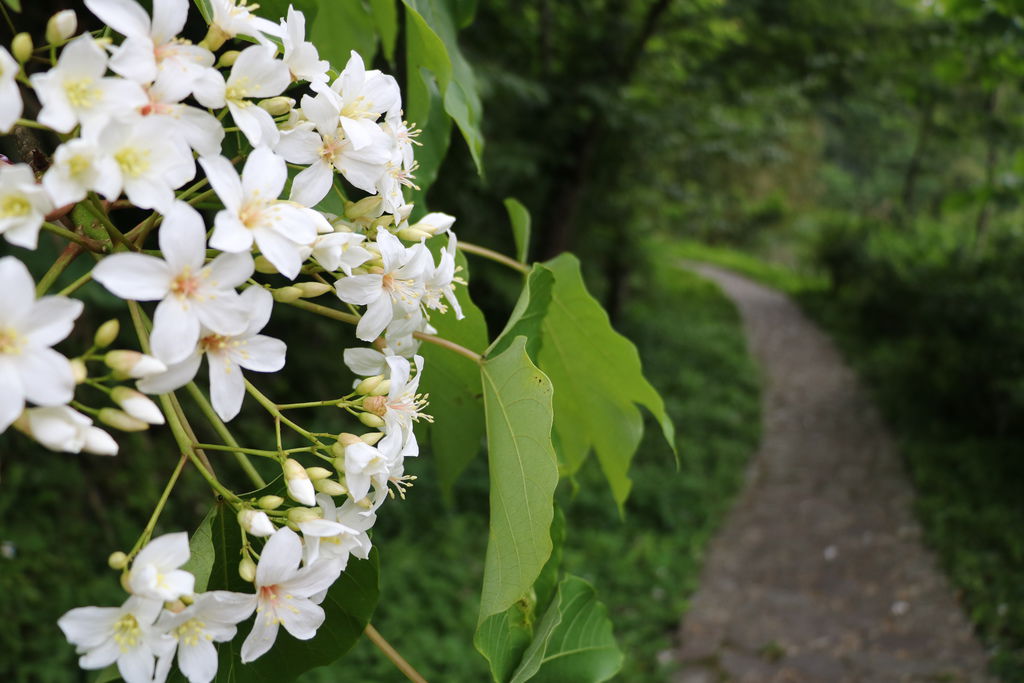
(29, 368)
(79, 166)
(366, 361)
(296, 479)
(367, 465)
(191, 294)
(151, 162)
(255, 522)
(252, 211)
(125, 634)
(435, 223)
(403, 404)
(23, 205)
(61, 26)
(283, 591)
(234, 19)
(365, 95)
(254, 74)
(210, 619)
(10, 95)
(340, 250)
(197, 127)
(301, 56)
(351, 539)
(155, 572)
(226, 355)
(75, 91)
(399, 286)
(439, 283)
(61, 428)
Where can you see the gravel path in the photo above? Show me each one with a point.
(819, 573)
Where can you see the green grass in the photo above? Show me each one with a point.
(63, 514)
(968, 486)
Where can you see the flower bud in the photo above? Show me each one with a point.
(339, 460)
(366, 206)
(255, 522)
(107, 333)
(434, 223)
(371, 438)
(78, 370)
(270, 502)
(118, 419)
(133, 364)
(311, 290)
(315, 473)
(371, 420)
(125, 581)
(176, 607)
(117, 560)
(138, 405)
(21, 47)
(228, 59)
(286, 295)
(98, 442)
(264, 266)
(299, 515)
(277, 106)
(247, 569)
(330, 487)
(300, 488)
(61, 26)
(369, 384)
(346, 439)
(381, 389)
(413, 235)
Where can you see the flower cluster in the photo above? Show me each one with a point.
(143, 122)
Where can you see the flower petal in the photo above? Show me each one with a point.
(261, 638)
(176, 376)
(227, 386)
(175, 330)
(302, 618)
(46, 376)
(51, 320)
(225, 181)
(280, 558)
(264, 175)
(197, 659)
(261, 354)
(183, 238)
(137, 277)
(18, 288)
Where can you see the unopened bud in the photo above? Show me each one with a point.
(107, 333)
(371, 438)
(270, 502)
(264, 266)
(381, 389)
(378, 405)
(118, 419)
(78, 370)
(346, 439)
(61, 26)
(138, 405)
(255, 522)
(21, 47)
(330, 487)
(382, 222)
(117, 560)
(313, 289)
(247, 569)
(176, 607)
(126, 578)
(133, 364)
(339, 460)
(299, 515)
(300, 488)
(286, 295)
(315, 473)
(371, 420)
(369, 384)
(413, 235)
(434, 223)
(277, 106)
(227, 59)
(367, 206)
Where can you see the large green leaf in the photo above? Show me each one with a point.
(523, 476)
(574, 641)
(599, 381)
(520, 219)
(453, 382)
(13, 4)
(528, 315)
(201, 552)
(342, 26)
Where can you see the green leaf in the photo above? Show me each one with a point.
(201, 552)
(574, 640)
(342, 26)
(453, 382)
(523, 476)
(13, 4)
(599, 382)
(520, 218)
(528, 315)
(385, 19)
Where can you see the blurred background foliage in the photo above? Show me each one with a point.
(865, 156)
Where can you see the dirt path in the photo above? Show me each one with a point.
(819, 573)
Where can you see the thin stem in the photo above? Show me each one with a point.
(450, 345)
(31, 124)
(69, 254)
(311, 404)
(76, 284)
(252, 451)
(148, 531)
(494, 256)
(185, 444)
(96, 209)
(201, 196)
(271, 408)
(222, 430)
(85, 242)
(391, 653)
